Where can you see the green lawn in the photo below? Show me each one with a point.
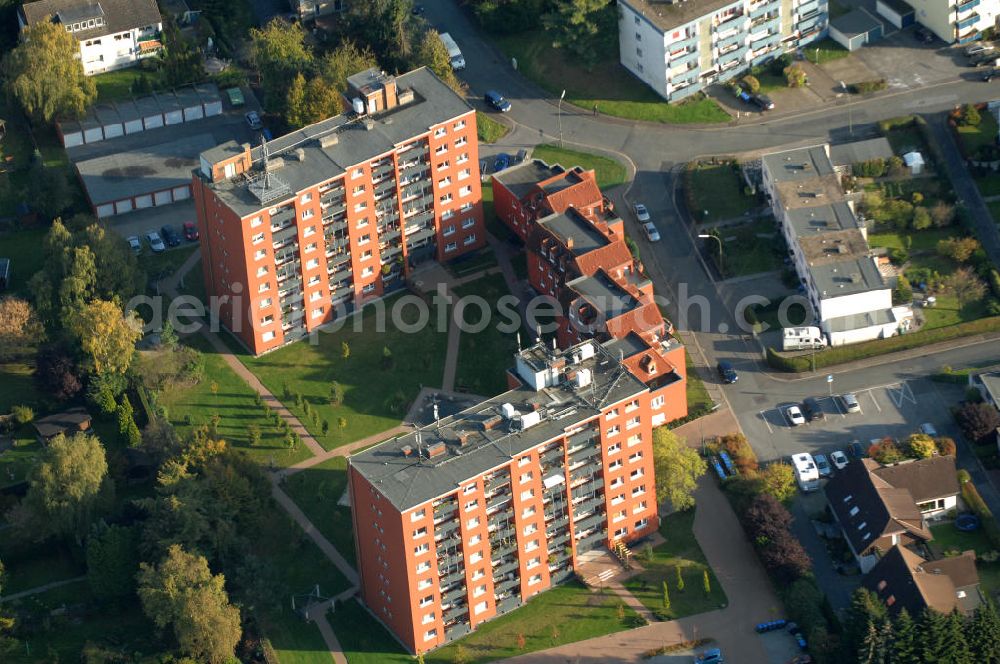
(749, 248)
(947, 312)
(484, 356)
(489, 130)
(698, 398)
(192, 406)
(194, 284)
(483, 259)
(316, 490)
(989, 185)
(376, 396)
(824, 51)
(972, 139)
(494, 226)
(681, 549)
(925, 240)
(165, 263)
(17, 462)
(564, 614)
(608, 171)
(16, 386)
(28, 568)
(24, 248)
(770, 81)
(608, 85)
(116, 85)
(947, 538)
(716, 189)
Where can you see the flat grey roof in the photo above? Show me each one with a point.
(629, 345)
(991, 381)
(107, 114)
(570, 224)
(128, 110)
(409, 481)
(799, 164)
(168, 101)
(855, 22)
(846, 154)
(521, 179)
(899, 6)
(666, 15)
(833, 247)
(208, 92)
(149, 106)
(604, 294)
(854, 275)
(142, 171)
(433, 103)
(812, 221)
(188, 96)
(860, 321)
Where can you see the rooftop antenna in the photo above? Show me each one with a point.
(518, 341)
(436, 415)
(420, 448)
(554, 345)
(538, 334)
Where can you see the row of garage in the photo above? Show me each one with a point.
(106, 121)
(157, 199)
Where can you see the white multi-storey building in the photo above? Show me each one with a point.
(112, 34)
(679, 47)
(849, 295)
(957, 21)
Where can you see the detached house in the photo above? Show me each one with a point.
(904, 580)
(879, 507)
(112, 34)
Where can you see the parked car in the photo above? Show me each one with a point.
(253, 120)
(923, 35)
(989, 75)
(522, 154)
(641, 213)
(979, 47)
(651, 232)
(822, 465)
(763, 102)
(727, 373)
(812, 410)
(839, 460)
(856, 450)
(711, 656)
(928, 430)
(155, 243)
(794, 416)
(170, 236)
(190, 231)
(850, 403)
(983, 58)
(134, 244)
(501, 162)
(496, 101)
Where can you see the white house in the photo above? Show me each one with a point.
(112, 34)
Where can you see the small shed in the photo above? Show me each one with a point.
(211, 100)
(67, 422)
(898, 13)
(150, 110)
(111, 121)
(915, 162)
(173, 110)
(855, 29)
(131, 117)
(190, 102)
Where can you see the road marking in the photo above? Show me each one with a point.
(900, 392)
(874, 401)
(766, 423)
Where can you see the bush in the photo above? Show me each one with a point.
(970, 116)
(868, 87)
(870, 168)
(946, 446)
(886, 451)
(978, 421)
(975, 502)
(903, 292)
(921, 446)
(795, 77)
(750, 84)
(902, 122)
(22, 415)
(738, 449)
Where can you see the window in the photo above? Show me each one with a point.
(854, 511)
(475, 539)
(458, 125)
(462, 158)
(419, 514)
(611, 414)
(657, 402)
(528, 495)
(306, 198)
(617, 482)
(638, 36)
(366, 255)
(444, 182)
(358, 172)
(313, 280)
(255, 222)
(632, 405)
(439, 132)
(641, 523)
(619, 516)
(534, 562)
(315, 296)
(313, 263)
(259, 237)
(636, 474)
(362, 222)
(634, 439)
(619, 499)
(425, 584)
(308, 214)
(265, 303)
(523, 461)
(360, 189)
(311, 247)
(311, 230)
(370, 288)
(267, 320)
(426, 601)
(259, 254)
(423, 567)
(429, 618)
(531, 528)
(465, 191)
(615, 465)
(479, 591)
(528, 511)
(419, 532)
(449, 230)
(476, 557)
(621, 532)
(430, 634)
(535, 580)
(639, 490)
(368, 271)
(532, 545)
(441, 149)
(526, 477)
(481, 607)
(466, 207)
(364, 239)
(469, 489)
(363, 205)
(633, 423)
(459, 142)
(472, 523)
(471, 239)
(423, 548)
(478, 574)
(451, 246)
(262, 270)
(447, 198)
(636, 456)
(471, 505)
(613, 431)
(641, 507)
(267, 336)
(638, 52)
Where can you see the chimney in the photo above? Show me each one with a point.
(569, 243)
(435, 450)
(407, 450)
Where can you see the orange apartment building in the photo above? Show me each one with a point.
(316, 221)
(468, 518)
(578, 255)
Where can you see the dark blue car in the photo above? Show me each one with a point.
(496, 100)
(727, 373)
(501, 162)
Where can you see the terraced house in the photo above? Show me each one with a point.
(468, 518)
(679, 47)
(311, 223)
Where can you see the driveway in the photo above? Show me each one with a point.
(751, 600)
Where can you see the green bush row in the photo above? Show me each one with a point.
(970, 494)
(841, 354)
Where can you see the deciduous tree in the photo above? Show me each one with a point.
(278, 51)
(182, 593)
(431, 53)
(56, 373)
(20, 328)
(959, 249)
(778, 480)
(978, 421)
(903, 292)
(345, 60)
(44, 73)
(107, 336)
(921, 445)
(582, 27)
(112, 561)
(678, 468)
(965, 286)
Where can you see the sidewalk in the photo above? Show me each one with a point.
(751, 600)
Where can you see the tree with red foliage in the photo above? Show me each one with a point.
(978, 421)
(886, 451)
(56, 373)
(946, 446)
(767, 523)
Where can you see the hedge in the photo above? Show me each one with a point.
(841, 354)
(975, 502)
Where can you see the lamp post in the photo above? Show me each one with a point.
(717, 239)
(829, 382)
(563, 95)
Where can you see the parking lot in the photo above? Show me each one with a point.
(894, 409)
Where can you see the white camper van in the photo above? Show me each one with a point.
(454, 52)
(806, 472)
(803, 338)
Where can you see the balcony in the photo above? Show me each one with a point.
(502, 566)
(739, 55)
(445, 529)
(588, 506)
(968, 21)
(421, 234)
(590, 540)
(806, 8)
(283, 218)
(501, 588)
(765, 7)
(963, 7)
(456, 577)
(689, 43)
(286, 232)
(589, 522)
(282, 257)
(560, 521)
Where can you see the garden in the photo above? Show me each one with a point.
(751, 247)
(485, 356)
(608, 172)
(714, 190)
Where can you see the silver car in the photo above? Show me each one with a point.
(641, 213)
(850, 403)
(155, 243)
(822, 465)
(651, 232)
(134, 244)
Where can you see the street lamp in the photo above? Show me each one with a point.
(829, 382)
(563, 95)
(717, 239)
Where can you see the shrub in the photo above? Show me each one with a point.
(738, 449)
(975, 502)
(750, 84)
(868, 87)
(902, 122)
(942, 214)
(921, 218)
(978, 421)
(778, 480)
(921, 446)
(898, 255)
(903, 292)
(958, 249)
(970, 116)
(896, 166)
(22, 415)
(870, 168)
(886, 451)
(946, 446)
(795, 77)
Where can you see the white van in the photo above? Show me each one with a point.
(806, 472)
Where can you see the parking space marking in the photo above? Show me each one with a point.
(874, 400)
(900, 392)
(766, 423)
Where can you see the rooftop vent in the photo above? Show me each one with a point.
(329, 140)
(508, 411)
(298, 154)
(435, 450)
(464, 437)
(369, 124)
(491, 422)
(405, 96)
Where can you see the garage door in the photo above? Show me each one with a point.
(113, 130)
(72, 139)
(163, 198)
(106, 210)
(193, 113)
(133, 126)
(93, 135)
(213, 108)
(122, 207)
(152, 121)
(173, 117)
(143, 202)
(182, 193)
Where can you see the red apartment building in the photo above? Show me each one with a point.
(470, 517)
(315, 221)
(578, 255)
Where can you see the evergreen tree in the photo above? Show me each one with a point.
(934, 638)
(983, 634)
(905, 640)
(666, 598)
(866, 609)
(874, 647)
(958, 648)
